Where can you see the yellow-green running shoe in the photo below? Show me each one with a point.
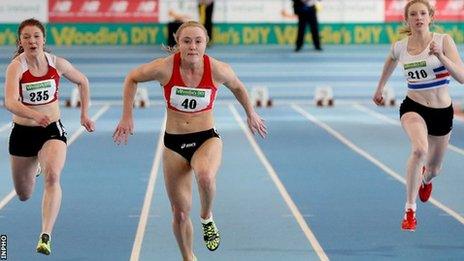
(43, 246)
(211, 236)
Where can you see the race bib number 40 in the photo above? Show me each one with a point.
(37, 93)
(190, 99)
(418, 71)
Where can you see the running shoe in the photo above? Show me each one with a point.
(409, 221)
(211, 236)
(425, 190)
(43, 246)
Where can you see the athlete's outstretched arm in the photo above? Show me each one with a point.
(225, 75)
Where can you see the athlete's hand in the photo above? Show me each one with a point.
(88, 124)
(42, 119)
(123, 130)
(378, 98)
(256, 124)
(435, 49)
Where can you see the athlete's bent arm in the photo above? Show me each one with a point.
(82, 83)
(449, 57)
(12, 99)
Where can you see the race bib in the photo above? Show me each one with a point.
(418, 71)
(189, 99)
(37, 93)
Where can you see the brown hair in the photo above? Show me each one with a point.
(173, 49)
(27, 22)
(430, 8)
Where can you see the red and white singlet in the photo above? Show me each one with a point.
(39, 90)
(183, 98)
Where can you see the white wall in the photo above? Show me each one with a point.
(14, 11)
(270, 11)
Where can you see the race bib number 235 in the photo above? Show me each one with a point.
(37, 93)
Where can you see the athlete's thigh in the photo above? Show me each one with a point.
(177, 178)
(208, 156)
(23, 171)
(416, 129)
(52, 155)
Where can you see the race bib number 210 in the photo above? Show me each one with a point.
(418, 71)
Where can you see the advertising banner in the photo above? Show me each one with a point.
(14, 11)
(445, 10)
(226, 34)
(227, 11)
(343, 11)
(250, 11)
(103, 11)
(449, 10)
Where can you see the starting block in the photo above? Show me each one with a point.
(74, 100)
(323, 96)
(141, 99)
(260, 96)
(388, 97)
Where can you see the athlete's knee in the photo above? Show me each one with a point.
(180, 214)
(419, 153)
(52, 176)
(206, 179)
(23, 196)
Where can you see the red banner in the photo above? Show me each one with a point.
(104, 11)
(445, 10)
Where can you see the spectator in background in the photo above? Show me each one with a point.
(205, 11)
(306, 10)
(178, 13)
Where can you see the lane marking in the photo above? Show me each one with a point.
(6, 126)
(283, 192)
(144, 214)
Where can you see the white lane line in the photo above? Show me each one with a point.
(73, 137)
(137, 246)
(6, 126)
(283, 192)
(82, 129)
(369, 157)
